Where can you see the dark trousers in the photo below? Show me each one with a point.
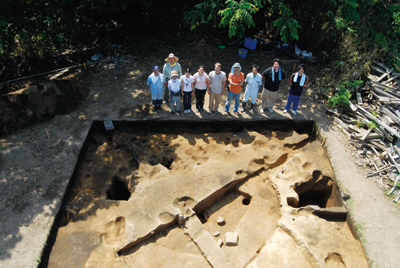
(293, 99)
(166, 91)
(200, 93)
(157, 102)
(187, 100)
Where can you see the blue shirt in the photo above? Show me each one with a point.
(157, 87)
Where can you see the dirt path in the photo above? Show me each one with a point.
(37, 163)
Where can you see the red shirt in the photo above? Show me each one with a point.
(236, 78)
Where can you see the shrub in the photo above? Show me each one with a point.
(340, 99)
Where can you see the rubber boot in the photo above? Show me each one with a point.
(243, 107)
(252, 108)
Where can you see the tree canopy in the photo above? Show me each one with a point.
(38, 27)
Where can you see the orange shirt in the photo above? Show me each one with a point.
(236, 78)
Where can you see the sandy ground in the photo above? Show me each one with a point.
(37, 163)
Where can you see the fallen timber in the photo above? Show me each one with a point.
(376, 111)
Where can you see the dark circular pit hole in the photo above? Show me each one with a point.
(246, 201)
(118, 190)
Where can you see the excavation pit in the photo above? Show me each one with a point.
(151, 193)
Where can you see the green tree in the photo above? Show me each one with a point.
(37, 27)
(286, 23)
(238, 16)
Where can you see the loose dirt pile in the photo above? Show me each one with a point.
(33, 104)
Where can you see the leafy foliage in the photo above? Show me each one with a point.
(203, 13)
(36, 28)
(340, 99)
(372, 124)
(353, 85)
(288, 25)
(359, 123)
(353, 31)
(237, 15)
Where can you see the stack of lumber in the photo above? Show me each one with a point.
(372, 125)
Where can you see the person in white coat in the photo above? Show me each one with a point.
(253, 82)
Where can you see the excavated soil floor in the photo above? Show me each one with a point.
(147, 194)
(36, 163)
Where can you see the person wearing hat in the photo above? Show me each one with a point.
(297, 82)
(215, 88)
(171, 65)
(273, 76)
(175, 92)
(156, 82)
(253, 83)
(236, 80)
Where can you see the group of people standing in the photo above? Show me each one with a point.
(178, 87)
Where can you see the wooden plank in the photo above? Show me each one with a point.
(383, 86)
(359, 98)
(383, 93)
(382, 66)
(382, 130)
(393, 161)
(382, 69)
(387, 112)
(367, 143)
(365, 134)
(391, 78)
(383, 169)
(340, 122)
(353, 107)
(373, 136)
(379, 122)
(356, 129)
(374, 94)
(332, 111)
(397, 113)
(379, 70)
(381, 77)
(387, 120)
(386, 100)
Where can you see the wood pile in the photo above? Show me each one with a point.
(372, 125)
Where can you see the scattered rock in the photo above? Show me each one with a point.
(220, 221)
(220, 242)
(346, 196)
(181, 219)
(215, 234)
(360, 162)
(231, 239)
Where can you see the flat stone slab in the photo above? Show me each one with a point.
(231, 239)
(210, 249)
